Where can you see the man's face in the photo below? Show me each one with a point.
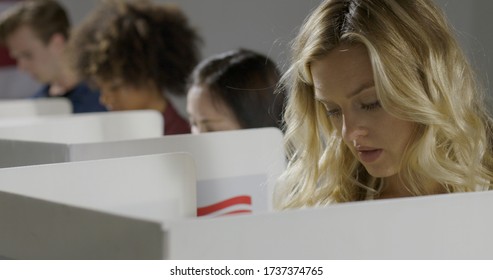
(38, 59)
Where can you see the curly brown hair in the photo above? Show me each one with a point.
(136, 42)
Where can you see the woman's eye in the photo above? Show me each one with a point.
(371, 106)
(333, 113)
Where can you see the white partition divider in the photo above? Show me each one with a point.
(34, 107)
(23, 153)
(452, 226)
(112, 208)
(236, 170)
(85, 128)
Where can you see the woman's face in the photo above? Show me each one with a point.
(207, 115)
(120, 97)
(343, 83)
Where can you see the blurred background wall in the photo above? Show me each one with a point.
(268, 26)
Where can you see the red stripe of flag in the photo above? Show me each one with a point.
(237, 212)
(205, 210)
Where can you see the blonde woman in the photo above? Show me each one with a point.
(382, 104)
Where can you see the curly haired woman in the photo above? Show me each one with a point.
(140, 55)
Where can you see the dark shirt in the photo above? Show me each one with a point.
(173, 122)
(84, 99)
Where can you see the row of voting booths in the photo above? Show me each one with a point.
(110, 186)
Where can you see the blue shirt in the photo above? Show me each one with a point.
(84, 99)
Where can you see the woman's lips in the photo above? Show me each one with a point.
(369, 155)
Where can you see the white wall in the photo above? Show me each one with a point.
(263, 25)
(472, 22)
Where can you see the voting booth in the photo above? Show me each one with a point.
(455, 226)
(84, 128)
(450, 226)
(34, 107)
(236, 170)
(103, 209)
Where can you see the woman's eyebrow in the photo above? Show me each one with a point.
(355, 92)
(361, 88)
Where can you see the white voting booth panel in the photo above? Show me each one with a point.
(84, 128)
(452, 226)
(34, 107)
(113, 208)
(236, 170)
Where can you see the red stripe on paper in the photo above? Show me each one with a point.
(206, 210)
(237, 212)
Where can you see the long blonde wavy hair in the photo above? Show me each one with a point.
(421, 75)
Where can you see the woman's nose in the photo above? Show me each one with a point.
(353, 128)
